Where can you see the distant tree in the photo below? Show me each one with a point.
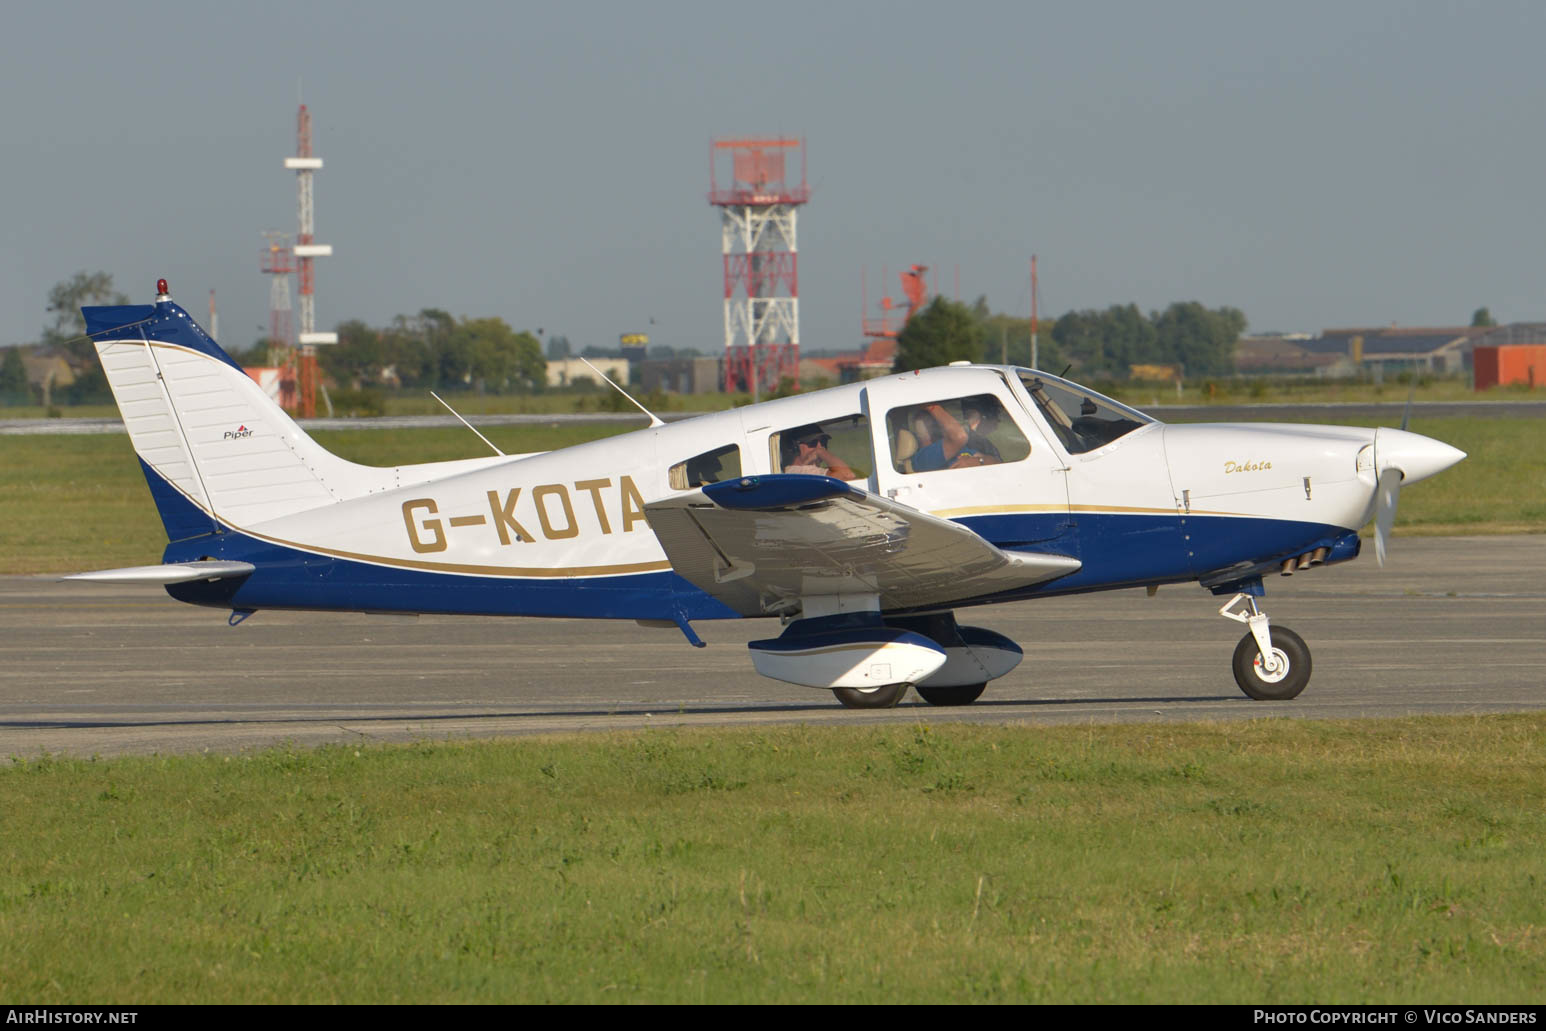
(90, 387)
(499, 358)
(67, 333)
(358, 357)
(406, 347)
(944, 332)
(1005, 335)
(1102, 343)
(558, 348)
(13, 378)
(1129, 338)
(1201, 341)
(1079, 336)
(530, 366)
(1109, 342)
(1482, 317)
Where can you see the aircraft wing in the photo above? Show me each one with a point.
(760, 543)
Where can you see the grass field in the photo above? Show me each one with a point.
(1271, 861)
(1223, 391)
(79, 502)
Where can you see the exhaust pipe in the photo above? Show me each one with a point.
(1288, 567)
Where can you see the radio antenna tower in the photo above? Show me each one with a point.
(757, 229)
(307, 250)
(277, 260)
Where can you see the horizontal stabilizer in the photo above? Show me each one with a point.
(169, 573)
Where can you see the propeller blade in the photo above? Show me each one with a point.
(1386, 495)
(1406, 416)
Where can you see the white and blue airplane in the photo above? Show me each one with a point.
(862, 517)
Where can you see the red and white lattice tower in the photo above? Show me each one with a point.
(307, 250)
(762, 296)
(277, 260)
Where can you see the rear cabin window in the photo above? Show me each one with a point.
(709, 467)
(832, 447)
(954, 433)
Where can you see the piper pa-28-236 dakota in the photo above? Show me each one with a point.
(862, 516)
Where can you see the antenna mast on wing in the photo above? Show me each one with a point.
(469, 425)
(655, 420)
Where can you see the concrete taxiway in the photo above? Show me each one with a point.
(1453, 625)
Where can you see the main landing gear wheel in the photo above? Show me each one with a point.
(1282, 683)
(964, 694)
(870, 697)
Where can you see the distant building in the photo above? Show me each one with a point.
(563, 372)
(1286, 354)
(634, 346)
(680, 375)
(876, 359)
(1513, 354)
(1154, 373)
(1398, 348)
(268, 378)
(47, 372)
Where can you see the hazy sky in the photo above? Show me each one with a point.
(1314, 164)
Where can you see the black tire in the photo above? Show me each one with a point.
(964, 694)
(1290, 646)
(870, 698)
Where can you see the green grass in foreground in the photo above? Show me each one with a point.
(1268, 861)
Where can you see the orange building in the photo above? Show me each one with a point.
(1510, 363)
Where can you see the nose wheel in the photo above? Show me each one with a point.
(1271, 664)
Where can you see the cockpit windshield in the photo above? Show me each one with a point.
(1082, 419)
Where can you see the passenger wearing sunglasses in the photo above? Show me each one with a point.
(806, 453)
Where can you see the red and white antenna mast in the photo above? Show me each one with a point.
(306, 250)
(1035, 354)
(762, 284)
(278, 261)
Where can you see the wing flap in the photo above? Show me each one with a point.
(761, 543)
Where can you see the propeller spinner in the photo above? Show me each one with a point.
(1401, 457)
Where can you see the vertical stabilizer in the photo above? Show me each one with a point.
(221, 450)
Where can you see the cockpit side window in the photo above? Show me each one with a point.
(1082, 419)
(710, 467)
(833, 447)
(955, 433)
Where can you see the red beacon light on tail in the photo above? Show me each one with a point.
(162, 293)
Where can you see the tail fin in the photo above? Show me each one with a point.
(214, 447)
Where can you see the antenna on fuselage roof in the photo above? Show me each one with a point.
(469, 425)
(655, 420)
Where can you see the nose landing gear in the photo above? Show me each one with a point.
(1269, 664)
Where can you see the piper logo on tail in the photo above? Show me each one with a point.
(237, 434)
